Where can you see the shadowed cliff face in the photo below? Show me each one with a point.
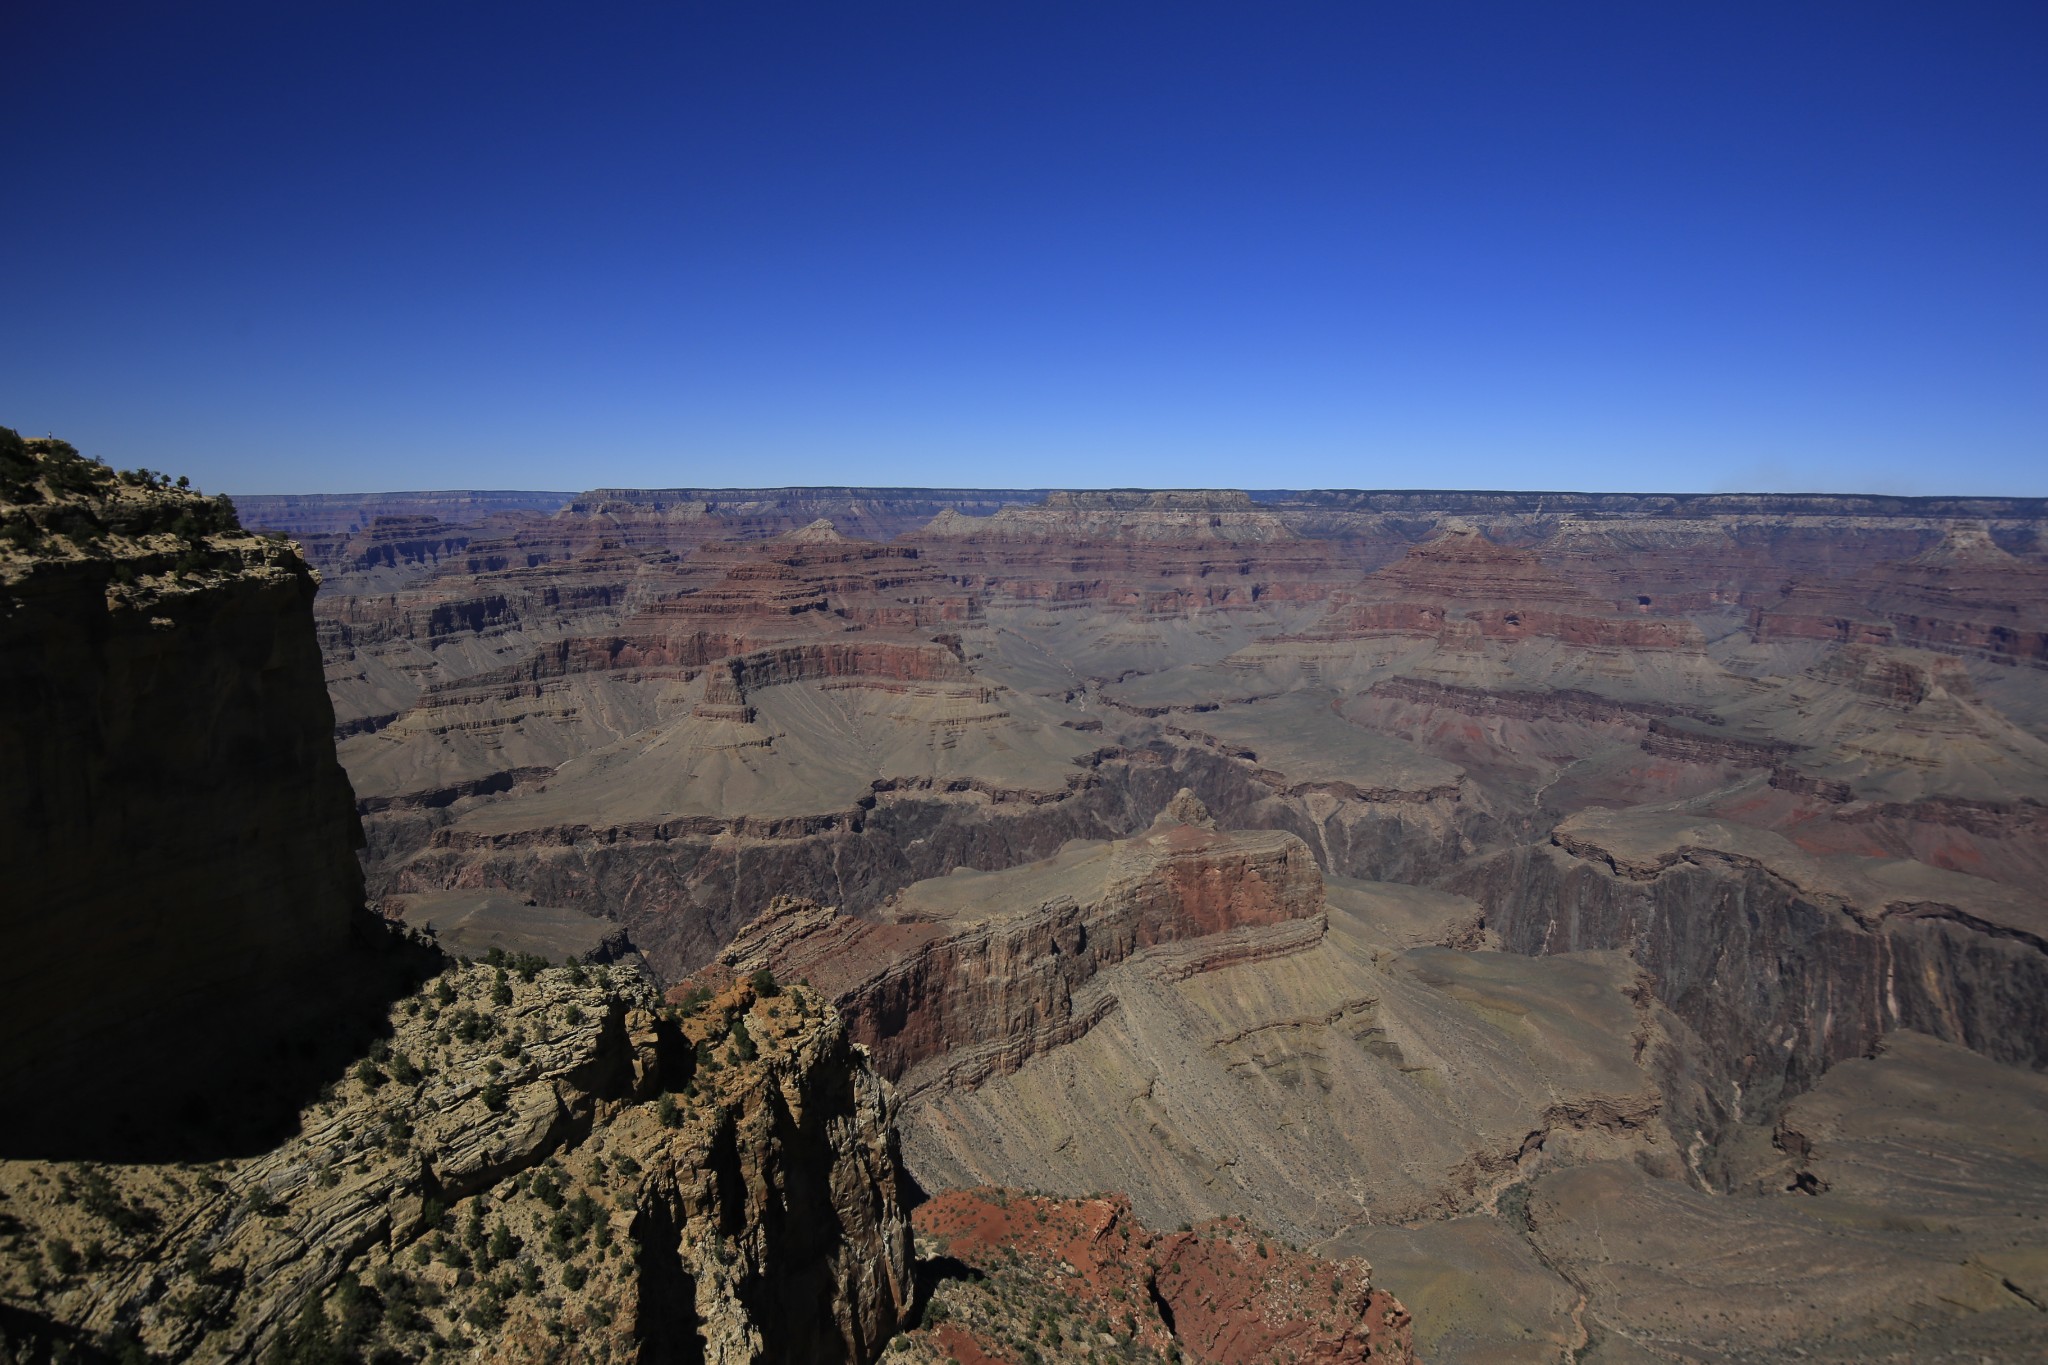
(176, 834)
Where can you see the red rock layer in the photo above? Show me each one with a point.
(1463, 583)
(1006, 985)
(1221, 1293)
(1964, 596)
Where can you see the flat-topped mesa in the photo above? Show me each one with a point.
(1963, 595)
(1462, 581)
(1666, 506)
(809, 581)
(300, 514)
(967, 976)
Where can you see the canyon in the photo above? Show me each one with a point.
(1484, 884)
(1487, 926)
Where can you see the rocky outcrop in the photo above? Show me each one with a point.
(175, 832)
(537, 1165)
(1066, 1278)
(973, 975)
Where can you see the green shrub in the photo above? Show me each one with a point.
(62, 1256)
(495, 1096)
(310, 1340)
(503, 1246)
(66, 471)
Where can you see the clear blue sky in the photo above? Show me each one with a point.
(345, 246)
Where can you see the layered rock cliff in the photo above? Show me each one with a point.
(1780, 962)
(177, 837)
(973, 975)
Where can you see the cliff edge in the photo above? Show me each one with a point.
(176, 834)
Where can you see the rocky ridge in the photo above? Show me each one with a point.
(536, 1164)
